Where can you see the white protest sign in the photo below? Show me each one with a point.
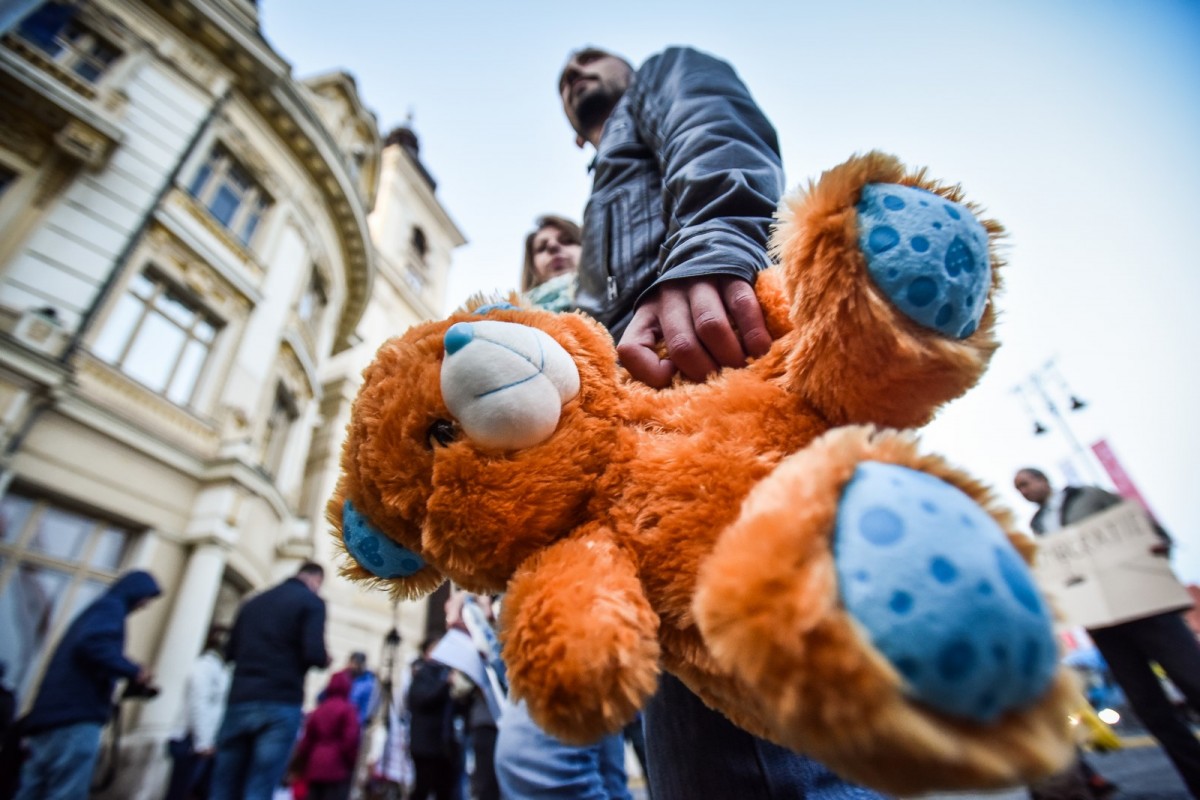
(1101, 571)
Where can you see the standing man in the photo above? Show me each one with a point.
(76, 696)
(687, 178)
(276, 638)
(1131, 647)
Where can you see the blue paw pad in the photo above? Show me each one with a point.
(928, 254)
(374, 552)
(941, 593)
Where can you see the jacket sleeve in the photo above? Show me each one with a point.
(720, 164)
(1100, 499)
(313, 634)
(101, 649)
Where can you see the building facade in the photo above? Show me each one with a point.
(199, 254)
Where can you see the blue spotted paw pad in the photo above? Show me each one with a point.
(374, 552)
(941, 593)
(928, 254)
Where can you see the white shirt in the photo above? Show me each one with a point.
(1051, 519)
(207, 685)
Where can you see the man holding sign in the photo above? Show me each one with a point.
(1130, 644)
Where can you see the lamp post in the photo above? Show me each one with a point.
(391, 649)
(1043, 384)
(388, 767)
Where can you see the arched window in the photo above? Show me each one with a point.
(417, 271)
(284, 413)
(420, 246)
(229, 192)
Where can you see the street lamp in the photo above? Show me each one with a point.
(1043, 383)
(391, 649)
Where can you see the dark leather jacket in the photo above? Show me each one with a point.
(687, 178)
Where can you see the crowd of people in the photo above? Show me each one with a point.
(696, 167)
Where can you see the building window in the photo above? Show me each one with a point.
(420, 247)
(7, 179)
(56, 30)
(225, 188)
(284, 414)
(312, 303)
(417, 274)
(160, 337)
(53, 563)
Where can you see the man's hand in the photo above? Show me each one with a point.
(706, 323)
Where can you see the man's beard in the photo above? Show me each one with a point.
(593, 107)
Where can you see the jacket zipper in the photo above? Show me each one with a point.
(612, 246)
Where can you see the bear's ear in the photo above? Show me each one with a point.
(377, 558)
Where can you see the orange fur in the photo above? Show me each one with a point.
(689, 529)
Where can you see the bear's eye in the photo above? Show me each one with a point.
(441, 433)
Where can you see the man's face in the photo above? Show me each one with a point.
(590, 85)
(1031, 487)
(312, 580)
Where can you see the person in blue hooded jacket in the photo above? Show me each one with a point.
(76, 696)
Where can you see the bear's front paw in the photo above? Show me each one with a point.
(581, 640)
(929, 255)
(942, 594)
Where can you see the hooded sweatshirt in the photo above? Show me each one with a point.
(79, 682)
(329, 747)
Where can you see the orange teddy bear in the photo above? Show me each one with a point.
(810, 575)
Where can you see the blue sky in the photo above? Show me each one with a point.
(1075, 124)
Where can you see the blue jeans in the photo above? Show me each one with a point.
(60, 763)
(531, 763)
(253, 747)
(696, 752)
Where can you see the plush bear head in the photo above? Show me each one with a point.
(415, 464)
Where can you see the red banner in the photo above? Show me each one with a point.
(1120, 478)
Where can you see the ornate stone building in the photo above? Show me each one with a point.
(198, 255)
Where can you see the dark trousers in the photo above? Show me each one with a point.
(695, 752)
(483, 780)
(329, 790)
(437, 776)
(191, 774)
(1129, 649)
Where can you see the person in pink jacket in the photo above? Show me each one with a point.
(328, 750)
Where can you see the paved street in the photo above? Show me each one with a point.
(1140, 770)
